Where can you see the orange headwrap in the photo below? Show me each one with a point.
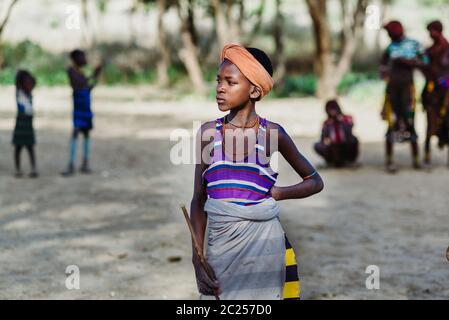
(249, 66)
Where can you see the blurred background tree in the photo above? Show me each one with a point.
(330, 67)
(319, 47)
(4, 20)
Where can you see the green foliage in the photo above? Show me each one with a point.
(49, 69)
(210, 74)
(353, 78)
(54, 24)
(176, 73)
(435, 3)
(101, 5)
(111, 74)
(142, 76)
(7, 76)
(305, 85)
(302, 85)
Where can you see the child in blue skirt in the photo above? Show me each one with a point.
(82, 113)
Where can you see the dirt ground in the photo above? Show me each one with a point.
(122, 225)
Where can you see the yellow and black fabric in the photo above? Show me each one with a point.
(435, 100)
(399, 112)
(292, 286)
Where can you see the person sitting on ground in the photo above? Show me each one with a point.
(338, 146)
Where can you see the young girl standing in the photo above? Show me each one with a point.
(234, 192)
(23, 135)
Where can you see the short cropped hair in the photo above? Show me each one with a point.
(23, 75)
(76, 54)
(436, 26)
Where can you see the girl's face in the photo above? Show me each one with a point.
(233, 89)
(435, 35)
(81, 60)
(395, 35)
(28, 84)
(332, 112)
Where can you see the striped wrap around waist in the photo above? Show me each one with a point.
(246, 249)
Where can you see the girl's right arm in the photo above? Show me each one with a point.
(198, 216)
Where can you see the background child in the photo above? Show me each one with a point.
(338, 146)
(23, 135)
(82, 113)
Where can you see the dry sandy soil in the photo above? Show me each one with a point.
(122, 225)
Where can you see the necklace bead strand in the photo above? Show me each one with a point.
(226, 126)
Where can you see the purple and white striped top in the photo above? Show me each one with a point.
(244, 183)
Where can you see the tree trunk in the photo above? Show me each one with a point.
(329, 72)
(351, 34)
(6, 18)
(188, 54)
(240, 19)
(87, 33)
(327, 80)
(384, 4)
(323, 63)
(257, 24)
(2, 28)
(233, 22)
(101, 9)
(164, 53)
(191, 22)
(221, 24)
(132, 30)
(279, 76)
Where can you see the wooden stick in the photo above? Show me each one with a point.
(199, 251)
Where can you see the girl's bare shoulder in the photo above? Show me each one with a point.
(205, 133)
(207, 125)
(207, 129)
(275, 126)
